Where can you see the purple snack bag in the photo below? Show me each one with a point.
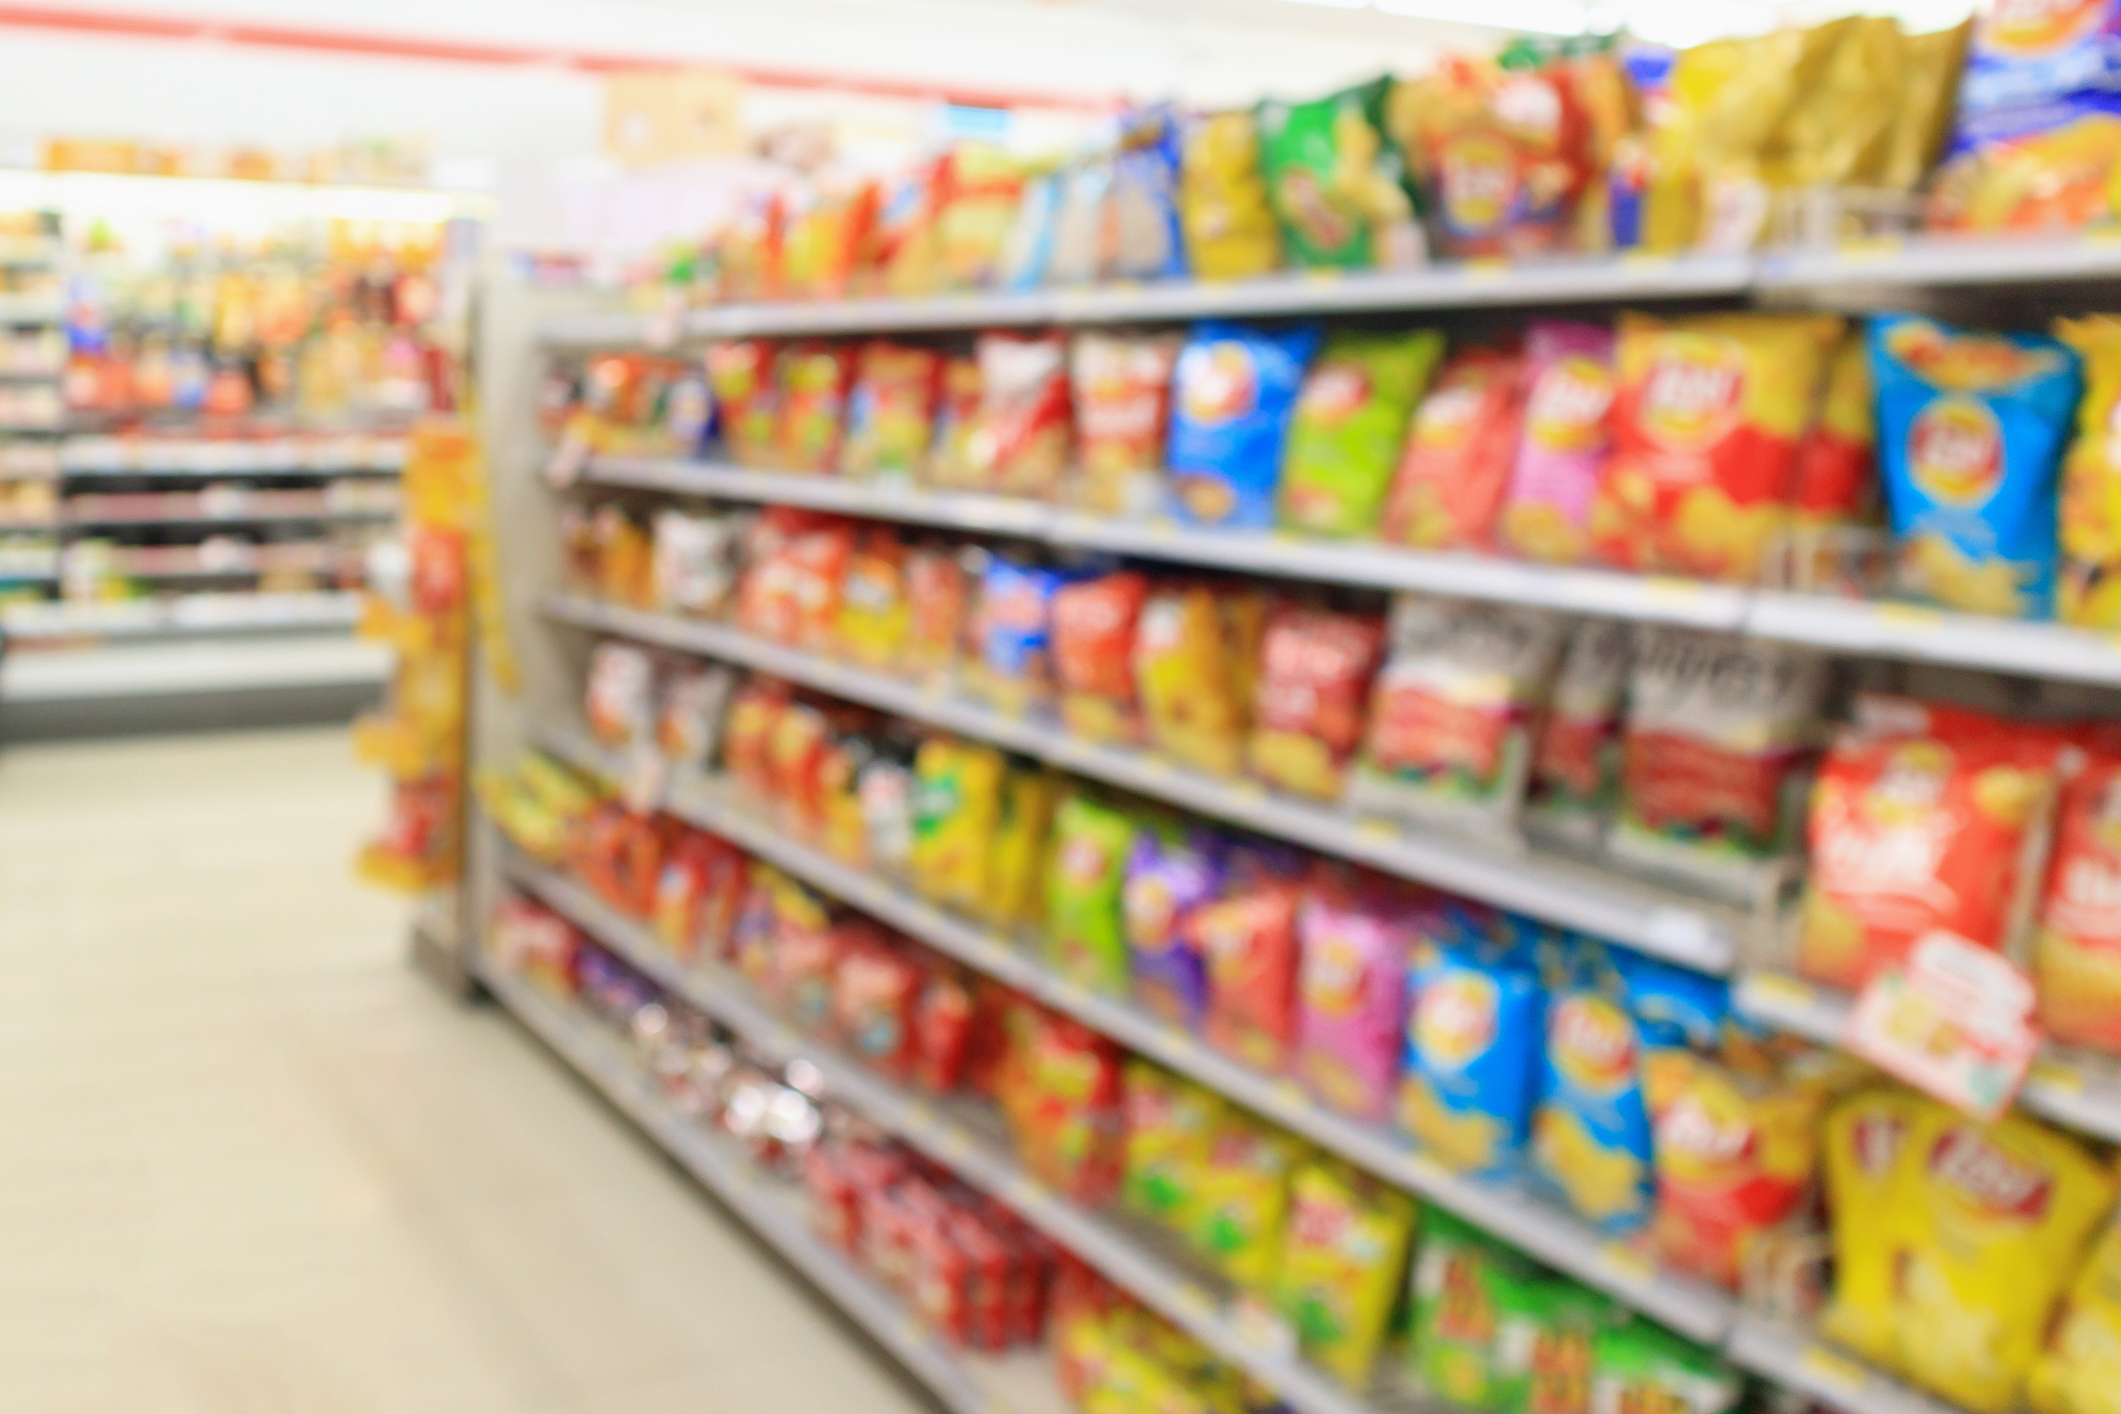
(1351, 1002)
(1561, 453)
(1167, 879)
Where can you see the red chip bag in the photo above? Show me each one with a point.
(1456, 467)
(2077, 952)
(1020, 438)
(747, 389)
(874, 999)
(938, 600)
(815, 380)
(1093, 654)
(1249, 940)
(1314, 684)
(1123, 415)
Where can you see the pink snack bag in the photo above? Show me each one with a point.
(1567, 434)
(1351, 999)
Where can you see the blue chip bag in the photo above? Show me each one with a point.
(1971, 431)
(1233, 394)
(1591, 1134)
(1673, 1006)
(1147, 243)
(1474, 1038)
(1012, 633)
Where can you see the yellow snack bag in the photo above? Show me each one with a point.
(956, 818)
(1347, 1245)
(1240, 1203)
(1016, 874)
(2080, 1372)
(1196, 652)
(1222, 199)
(2088, 591)
(1866, 1143)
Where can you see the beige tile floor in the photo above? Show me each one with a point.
(251, 1164)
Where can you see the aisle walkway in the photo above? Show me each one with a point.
(250, 1164)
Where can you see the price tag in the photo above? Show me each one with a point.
(1193, 1303)
(647, 778)
(1486, 268)
(1956, 1022)
(1372, 828)
(1262, 1328)
(1837, 1372)
(2051, 1075)
(1627, 1261)
(1873, 248)
(1642, 259)
(569, 459)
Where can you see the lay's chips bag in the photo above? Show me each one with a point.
(1341, 1264)
(2080, 1372)
(1591, 1141)
(2089, 591)
(1350, 420)
(1473, 1047)
(1971, 429)
(2077, 944)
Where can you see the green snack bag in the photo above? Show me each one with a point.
(1084, 934)
(1351, 419)
(1546, 1328)
(1456, 1311)
(1170, 1123)
(1642, 1366)
(1347, 1239)
(1338, 188)
(1241, 1202)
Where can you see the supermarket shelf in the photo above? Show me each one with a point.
(156, 669)
(1943, 261)
(1794, 1360)
(1456, 285)
(2077, 1090)
(47, 308)
(1532, 1226)
(187, 615)
(1672, 925)
(220, 520)
(1922, 634)
(349, 455)
(964, 1382)
(978, 1159)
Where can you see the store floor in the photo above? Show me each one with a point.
(251, 1164)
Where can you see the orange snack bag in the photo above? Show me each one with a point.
(1920, 821)
(1456, 467)
(1093, 654)
(1706, 424)
(1315, 668)
(1837, 468)
(2077, 950)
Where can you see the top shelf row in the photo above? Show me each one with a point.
(1925, 262)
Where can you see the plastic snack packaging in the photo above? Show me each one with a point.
(625, 558)
(2080, 1371)
(1019, 441)
(1122, 390)
(1453, 711)
(1924, 818)
(1566, 437)
(619, 698)
(1836, 481)
(956, 812)
(694, 561)
(1194, 652)
(1248, 937)
(2089, 591)
(1027, 256)
(1473, 1045)
(1016, 863)
(1170, 874)
(1147, 243)
(1351, 419)
(826, 240)
(874, 995)
(957, 416)
(747, 394)
(1229, 228)
(1708, 414)
(1011, 662)
(1351, 997)
(1638, 1364)
(1093, 654)
(1718, 728)
(1971, 429)
(2077, 946)
(1575, 783)
(938, 600)
(1061, 1093)
(1170, 1125)
(1085, 936)
(1341, 1265)
(980, 190)
(885, 789)
(1241, 1198)
(873, 610)
(891, 412)
(1233, 397)
(1337, 187)
(1448, 490)
(695, 703)
(1591, 1137)
(1314, 683)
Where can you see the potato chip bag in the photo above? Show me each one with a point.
(1194, 654)
(873, 610)
(1241, 1198)
(981, 187)
(1336, 184)
(1971, 430)
(1351, 998)
(1314, 682)
(827, 238)
(952, 463)
(1452, 713)
(1248, 937)
(1341, 1265)
(1866, 1143)
(1011, 633)
(891, 412)
(1229, 228)
(1836, 481)
(747, 392)
(1016, 860)
(1085, 937)
(1094, 624)
(1576, 762)
(2080, 1371)
(1639, 1365)
(1143, 208)
(1122, 389)
(1455, 469)
(815, 380)
(2088, 592)
(1019, 440)
(1591, 1141)
(1454, 1295)
(1707, 417)
(1920, 822)
(1351, 418)
(938, 600)
(1233, 396)
(2077, 944)
(1473, 1054)
(1170, 1124)
(1566, 437)
(1171, 873)
(956, 811)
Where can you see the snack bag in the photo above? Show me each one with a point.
(2080, 1371)
(1640, 1365)
(1170, 874)
(1012, 634)
(1143, 208)
(979, 193)
(1473, 1049)
(1347, 1244)
(1093, 654)
(1576, 764)
(619, 697)
(952, 462)
(1351, 418)
(938, 600)
(873, 609)
(1084, 934)
(1591, 1141)
(1866, 1151)
(1248, 937)
(1455, 469)
(1315, 671)
(874, 993)
(1717, 728)
(826, 241)
(1836, 481)
(1229, 228)
(1122, 391)
(815, 380)
(1971, 429)
(693, 562)
(1232, 397)
(1335, 185)
(1351, 1000)
(747, 397)
(1567, 435)
(1061, 1093)
(956, 811)
(891, 412)
(1241, 1198)
(1170, 1126)
(1708, 413)
(2077, 948)
(2088, 592)
(1019, 440)
(1921, 821)
(1016, 865)
(1452, 715)
(1194, 648)
(1491, 1332)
